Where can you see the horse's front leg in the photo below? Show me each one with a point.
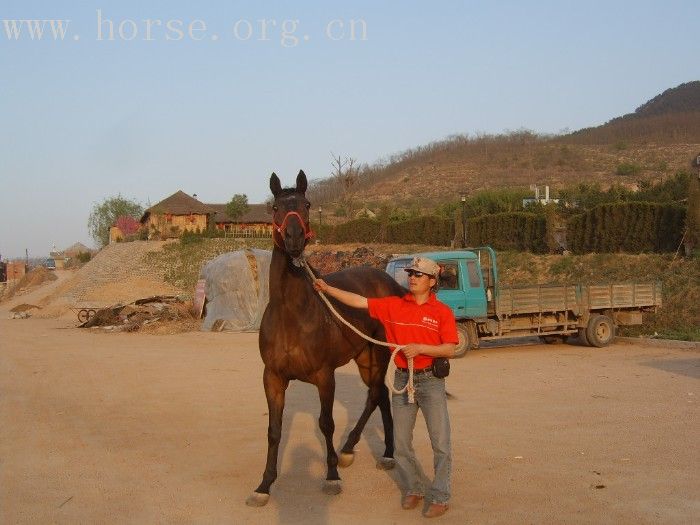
(326, 392)
(275, 387)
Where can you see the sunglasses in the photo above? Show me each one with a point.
(416, 273)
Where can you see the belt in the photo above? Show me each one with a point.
(416, 370)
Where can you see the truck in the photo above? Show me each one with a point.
(486, 311)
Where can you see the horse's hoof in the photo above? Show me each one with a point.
(345, 459)
(257, 499)
(332, 487)
(386, 463)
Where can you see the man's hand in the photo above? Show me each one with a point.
(349, 298)
(412, 350)
(321, 286)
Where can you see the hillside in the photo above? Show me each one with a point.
(124, 272)
(659, 139)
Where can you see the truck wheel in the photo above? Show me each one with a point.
(583, 337)
(600, 331)
(465, 343)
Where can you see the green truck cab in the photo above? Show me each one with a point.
(484, 310)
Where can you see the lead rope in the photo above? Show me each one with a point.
(389, 377)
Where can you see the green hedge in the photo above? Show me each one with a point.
(503, 231)
(428, 229)
(520, 231)
(633, 227)
(358, 230)
(419, 230)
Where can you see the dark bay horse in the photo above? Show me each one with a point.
(301, 339)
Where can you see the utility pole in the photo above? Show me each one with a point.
(464, 221)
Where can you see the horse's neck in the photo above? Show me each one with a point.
(288, 287)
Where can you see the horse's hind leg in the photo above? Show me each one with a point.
(275, 387)
(372, 366)
(386, 462)
(377, 395)
(347, 452)
(326, 392)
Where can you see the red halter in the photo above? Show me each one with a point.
(280, 228)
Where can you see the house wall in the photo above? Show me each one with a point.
(16, 270)
(250, 229)
(165, 223)
(115, 235)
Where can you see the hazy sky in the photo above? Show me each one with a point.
(145, 98)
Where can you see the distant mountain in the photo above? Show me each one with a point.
(669, 118)
(654, 142)
(683, 98)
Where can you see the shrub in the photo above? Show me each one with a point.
(633, 227)
(625, 169)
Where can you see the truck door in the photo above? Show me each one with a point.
(450, 292)
(474, 290)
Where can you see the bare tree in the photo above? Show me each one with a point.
(345, 171)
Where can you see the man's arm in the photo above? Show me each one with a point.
(442, 350)
(345, 297)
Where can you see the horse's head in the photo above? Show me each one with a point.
(290, 216)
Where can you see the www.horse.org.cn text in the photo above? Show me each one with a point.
(287, 32)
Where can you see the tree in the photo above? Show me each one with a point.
(237, 206)
(105, 214)
(346, 173)
(692, 224)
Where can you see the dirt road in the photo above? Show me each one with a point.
(134, 428)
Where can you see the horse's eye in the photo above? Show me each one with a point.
(308, 205)
(274, 208)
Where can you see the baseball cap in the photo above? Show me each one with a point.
(425, 265)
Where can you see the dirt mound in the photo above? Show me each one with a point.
(31, 279)
(24, 307)
(119, 273)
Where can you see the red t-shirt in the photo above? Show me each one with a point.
(406, 322)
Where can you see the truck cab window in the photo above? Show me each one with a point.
(398, 273)
(474, 280)
(448, 276)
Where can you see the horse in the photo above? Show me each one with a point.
(300, 339)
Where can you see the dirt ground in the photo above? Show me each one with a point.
(136, 428)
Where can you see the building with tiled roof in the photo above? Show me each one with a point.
(181, 212)
(176, 214)
(255, 222)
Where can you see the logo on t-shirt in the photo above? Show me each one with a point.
(429, 321)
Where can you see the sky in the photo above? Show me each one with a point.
(141, 99)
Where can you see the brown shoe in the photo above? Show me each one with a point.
(411, 501)
(435, 510)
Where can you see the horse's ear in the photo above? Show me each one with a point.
(275, 185)
(301, 182)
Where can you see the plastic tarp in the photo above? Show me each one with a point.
(237, 290)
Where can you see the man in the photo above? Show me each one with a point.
(427, 329)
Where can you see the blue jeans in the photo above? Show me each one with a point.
(431, 398)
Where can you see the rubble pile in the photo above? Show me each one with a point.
(140, 313)
(22, 311)
(333, 261)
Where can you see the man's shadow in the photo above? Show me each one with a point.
(301, 478)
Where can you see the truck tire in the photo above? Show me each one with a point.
(583, 337)
(464, 343)
(600, 331)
